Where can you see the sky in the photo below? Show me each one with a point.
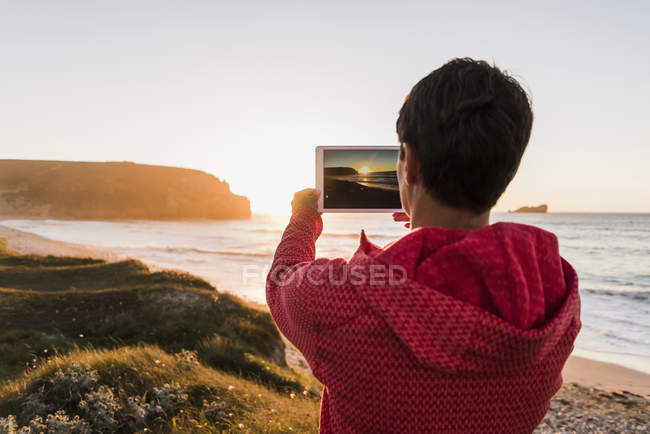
(373, 160)
(246, 90)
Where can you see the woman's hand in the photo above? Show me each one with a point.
(402, 217)
(308, 196)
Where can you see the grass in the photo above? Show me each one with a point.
(132, 326)
(135, 370)
(4, 247)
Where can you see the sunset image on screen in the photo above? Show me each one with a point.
(360, 179)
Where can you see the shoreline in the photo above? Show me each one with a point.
(587, 372)
(29, 243)
(604, 376)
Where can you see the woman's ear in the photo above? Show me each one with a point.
(411, 166)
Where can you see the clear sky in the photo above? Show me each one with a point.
(244, 90)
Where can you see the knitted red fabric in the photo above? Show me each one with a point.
(470, 334)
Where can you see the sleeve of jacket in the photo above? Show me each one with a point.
(297, 283)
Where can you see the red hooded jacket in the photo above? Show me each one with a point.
(442, 330)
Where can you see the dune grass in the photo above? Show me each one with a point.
(137, 330)
(134, 372)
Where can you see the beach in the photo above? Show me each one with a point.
(580, 370)
(31, 244)
(596, 396)
(348, 194)
(608, 251)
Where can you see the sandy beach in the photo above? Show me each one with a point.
(31, 244)
(606, 376)
(347, 194)
(595, 396)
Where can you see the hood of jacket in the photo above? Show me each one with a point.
(492, 300)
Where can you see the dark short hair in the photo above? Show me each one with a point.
(468, 124)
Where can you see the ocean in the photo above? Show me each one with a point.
(386, 180)
(610, 252)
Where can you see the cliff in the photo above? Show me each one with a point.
(339, 171)
(114, 190)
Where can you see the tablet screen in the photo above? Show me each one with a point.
(360, 179)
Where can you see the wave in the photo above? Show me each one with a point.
(266, 231)
(186, 250)
(383, 180)
(642, 295)
(380, 185)
(326, 234)
(217, 252)
(620, 337)
(630, 324)
(342, 235)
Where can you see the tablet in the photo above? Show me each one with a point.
(357, 178)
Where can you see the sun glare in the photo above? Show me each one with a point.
(364, 170)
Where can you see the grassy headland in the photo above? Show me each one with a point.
(125, 349)
(114, 190)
